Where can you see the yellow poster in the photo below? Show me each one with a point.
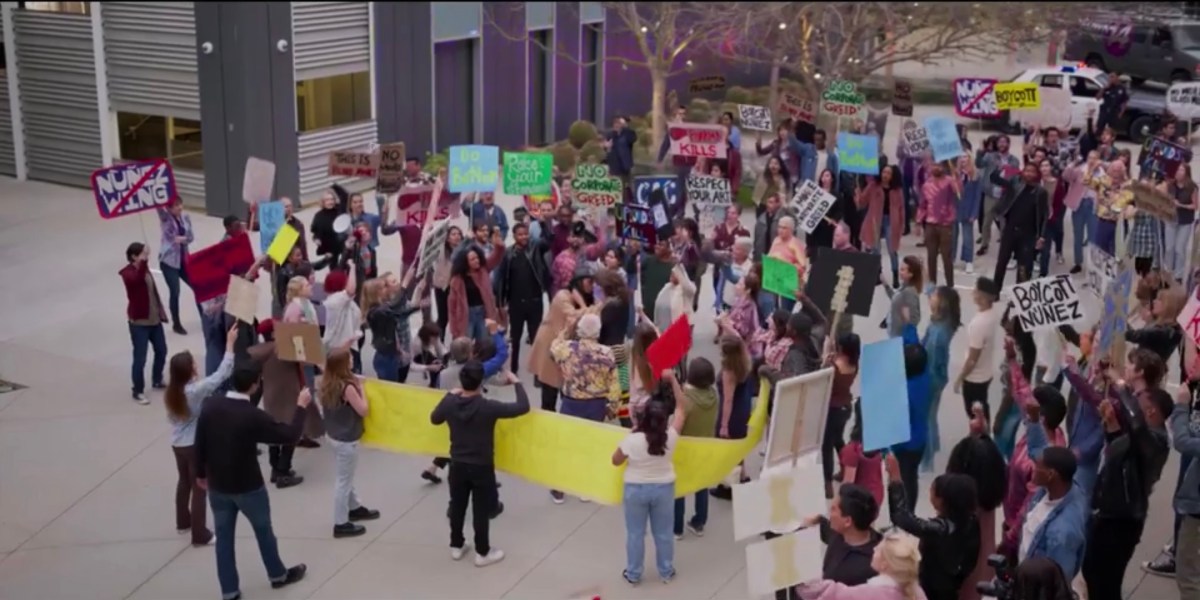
(549, 449)
(1017, 96)
(281, 246)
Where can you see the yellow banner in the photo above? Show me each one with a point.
(552, 450)
(1017, 96)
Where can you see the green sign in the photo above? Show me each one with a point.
(841, 98)
(594, 187)
(780, 277)
(528, 173)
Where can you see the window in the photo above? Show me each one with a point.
(147, 137)
(1050, 81)
(74, 8)
(1084, 88)
(333, 101)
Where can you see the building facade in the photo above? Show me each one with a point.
(206, 85)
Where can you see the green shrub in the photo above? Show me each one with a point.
(581, 132)
(593, 152)
(639, 123)
(436, 162)
(738, 95)
(645, 136)
(745, 195)
(565, 156)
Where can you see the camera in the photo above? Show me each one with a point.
(1001, 585)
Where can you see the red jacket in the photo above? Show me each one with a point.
(137, 293)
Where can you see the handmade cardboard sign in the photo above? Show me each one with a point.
(711, 83)
(241, 301)
(133, 187)
(797, 425)
(528, 172)
(1163, 157)
(258, 181)
(1101, 269)
(884, 398)
(414, 202)
(354, 163)
(798, 108)
(810, 203)
(781, 498)
(1046, 303)
(209, 269)
(943, 138)
(782, 562)
(842, 99)
(391, 168)
(644, 189)
(834, 269)
(281, 245)
(299, 342)
(975, 98)
(780, 277)
(858, 153)
(474, 169)
(698, 140)
(1183, 100)
(916, 140)
(1114, 318)
(635, 223)
(1055, 110)
(669, 349)
(902, 102)
(706, 189)
(1153, 201)
(755, 118)
(595, 188)
(271, 216)
(1017, 96)
(1189, 319)
(433, 246)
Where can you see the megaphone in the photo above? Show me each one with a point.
(342, 224)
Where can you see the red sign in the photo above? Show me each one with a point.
(209, 269)
(669, 349)
(413, 204)
(703, 141)
(800, 109)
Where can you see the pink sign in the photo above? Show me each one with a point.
(700, 141)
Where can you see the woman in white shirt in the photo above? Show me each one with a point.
(650, 481)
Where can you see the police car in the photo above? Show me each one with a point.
(1142, 114)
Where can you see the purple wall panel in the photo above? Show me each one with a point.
(503, 75)
(567, 71)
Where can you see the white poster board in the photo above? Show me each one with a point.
(698, 140)
(432, 247)
(705, 189)
(916, 140)
(1183, 100)
(755, 118)
(258, 180)
(780, 499)
(810, 203)
(1101, 268)
(1046, 303)
(798, 419)
(1055, 110)
(1189, 318)
(241, 300)
(784, 561)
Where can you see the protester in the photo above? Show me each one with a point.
(1112, 197)
(327, 239)
(615, 328)
(522, 279)
(993, 159)
(183, 397)
(1186, 439)
(1024, 209)
(906, 302)
(487, 213)
(471, 300)
(343, 316)
(1052, 233)
(816, 157)
(675, 300)
(1055, 522)
(685, 250)
(773, 181)
(279, 387)
(1040, 578)
(937, 216)
(861, 467)
(1081, 199)
(978, 457)
(344, 405)
(910, 453)
(848, 536)
(822, 234)
(564, 308)
(227, 434)
(619, 143)
(1182, 189)
(472, 422)
(295, 266)
(177, 233)
(789, 249)
(780, 149)
(767, 225)
(700, 421)
(360, 216)
(844, 360)
(896, 558)
(429, 355)
(1161, 333)
(976, 374)
(386, 303)
(883, 224)
(145, 313)
(441, 276)
(650, 480)
(945, 317)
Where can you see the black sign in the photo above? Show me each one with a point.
(849, 275)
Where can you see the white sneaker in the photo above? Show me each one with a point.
(584, 500)
(678, 536)
(491, 558)
(141, 399)
(558, 497)
(970, 269)
(458, 553)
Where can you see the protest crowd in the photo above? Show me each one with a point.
(593, 285)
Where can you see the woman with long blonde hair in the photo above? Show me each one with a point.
(299, 307)
(387, 309)
(897, 559)
(344, 404)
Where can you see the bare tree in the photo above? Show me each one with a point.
(663, 32)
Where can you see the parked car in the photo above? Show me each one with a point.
(1166, 52)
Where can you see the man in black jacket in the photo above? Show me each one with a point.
(848, 537)
(1024, 210)
(472, 421)
(521, 279)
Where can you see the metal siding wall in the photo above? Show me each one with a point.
(566, 72)
(403, 74)
(331, 38)
(503, 85)
(151, 69)
(314, 148)
(58, 96)
(8, 159)
(454, 76)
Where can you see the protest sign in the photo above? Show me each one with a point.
(528, 172)
(474, 169)
(706, 189)
(884, 399)
(299, 342)
(1162, 158)
(432, 247)
(916, 139)
(780, 277)
(698, 140)
(414, 202)
(1153, 201)
(1017, 96)
(645, 189)
(799, 108)
(258, 180)
(858, 153)
(209, 269)
(271, 216)
(876, 120)
(1101, 269)
(133, 187)
(1189, 318)
(281, 245)
(842, 99)
(782, 497)
(354, 163)
(1183, 100)
(902, 102)
(241, 300)
(810, 203)
(1054, 112)
(669, 349)
(595, 188)
(755, 118)
(711, 83)
(837, 268)
(782, 562)
(975, 98)
(1046, 303)
(943, 138)
(1114, 318)
(797, 424)
(391, 168)
(635, 223)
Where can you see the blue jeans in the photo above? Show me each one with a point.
(142, 337)
(699, 519)
(389, 368)
(965, 231)
(1185, 461)
(213, 328)
(257, 507)
(885, 230)
(173, 276)
(1104, 235)
(476, 329)
(655, 502)
(1052, 235)
(1083, 220)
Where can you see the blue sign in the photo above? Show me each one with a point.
(270, 220)
(884, 395)
(474, 169)
(133, 187)
(943, 138)
(643, 187)
(1116, 311)
(858, 153)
